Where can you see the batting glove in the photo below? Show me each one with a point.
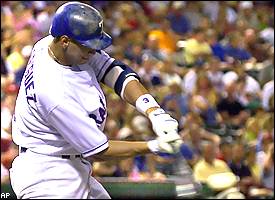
(165, 127)
(160, 146)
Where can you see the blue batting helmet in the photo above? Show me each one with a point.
(82, 23)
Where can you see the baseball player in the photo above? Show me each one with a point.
(61, 110)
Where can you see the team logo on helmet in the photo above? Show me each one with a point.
(100, 24)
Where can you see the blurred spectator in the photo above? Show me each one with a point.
(201, 107)
(6, 76)
(267, 34)
(266, 73)
(205, 89)
(252, 128)
(7, 35)
(193, 134)
(106, 169)
(133, 53)
(190, 77)
(6, 140)
(268, 168)
(158, 11)
(264, 141)
(130, 19)
(248, 91)
(188, 154)
(237, 165)
(246, 13)
(217, 48)
(252, 163)
(152, 49)
(209, 164)
(141, 128)
(169, 72)
(192, 11)
(267, 92)
(176, 102)
(215, 74)
(15, 60)
(196, 48)
(117, 109)
(6, 143)
(211, 10)
(240, 168)
(43, 14)
(230, 108)
(112, 128)
(8, 153)
(19, 16)
(8, 156)
(227, 16)
(225, 151)
(7, 106)
(149, 72)
(4, 174)
(26, 53)
(235, 48)
(4, 70)
(256, 46)
(249, 88)
(179, 23)
(6, 114)
(165, 37)
(204, 101)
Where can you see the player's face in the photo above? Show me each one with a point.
(77, 53)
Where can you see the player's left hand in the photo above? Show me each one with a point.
(165, 127)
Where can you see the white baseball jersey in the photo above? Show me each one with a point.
(61, 109)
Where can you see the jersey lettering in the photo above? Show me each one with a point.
(29, 83)
(102, 114)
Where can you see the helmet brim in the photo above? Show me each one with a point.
(99, 43)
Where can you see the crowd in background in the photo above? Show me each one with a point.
(209, 64)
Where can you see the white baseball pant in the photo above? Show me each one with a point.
(36, 176)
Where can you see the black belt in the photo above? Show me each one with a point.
(24, 149)
(70, 156)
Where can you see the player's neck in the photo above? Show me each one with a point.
(57, 54)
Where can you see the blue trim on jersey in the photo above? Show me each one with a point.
(107, 71)
(95, 148)
(76, 68)
(102, 67)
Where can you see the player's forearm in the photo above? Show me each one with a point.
(122, 150)
(133, 90)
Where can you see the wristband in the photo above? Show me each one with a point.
(144, 102)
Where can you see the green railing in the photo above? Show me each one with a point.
(127, 189)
